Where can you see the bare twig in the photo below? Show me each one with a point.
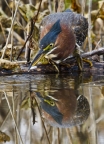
(8, 5)
(30, 1)
(61, 6)
(90, 25)
(33, 20)
(12, 32)
(98, 13)
(29, 36)
(35, 17)
(50, 6)
(55, 5)
(3, 31)
(18, 37)
(98, 44)
(83, 2)
(10, 29)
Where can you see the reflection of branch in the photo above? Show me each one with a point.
(69, 135)
(97, 121)
(32, 109)
(58, 131)
(92, 118)
(100, 118)
(12, 115)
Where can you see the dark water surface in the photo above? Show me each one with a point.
(52, 109)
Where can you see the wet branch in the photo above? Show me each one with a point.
(98, 52)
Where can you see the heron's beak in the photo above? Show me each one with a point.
(38, 56)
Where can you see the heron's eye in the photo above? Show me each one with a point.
(49, 47)
(51, 44)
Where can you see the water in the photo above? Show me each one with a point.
(55, 109)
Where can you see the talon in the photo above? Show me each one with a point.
(88, 61)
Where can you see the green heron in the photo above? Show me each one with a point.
(60, 35)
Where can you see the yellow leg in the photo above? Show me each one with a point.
(79, 62)
(55, 66)
(87, 61)
(78, 59)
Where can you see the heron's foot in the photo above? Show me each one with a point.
(87, 61)
(54, 64)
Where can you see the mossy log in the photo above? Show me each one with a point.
(69, 66)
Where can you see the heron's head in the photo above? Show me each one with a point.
(47, 43)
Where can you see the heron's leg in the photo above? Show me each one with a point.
(78, 59)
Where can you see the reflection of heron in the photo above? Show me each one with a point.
(63, 108)
(48, 105)
(82, 110)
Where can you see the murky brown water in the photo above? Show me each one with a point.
(55, 109)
